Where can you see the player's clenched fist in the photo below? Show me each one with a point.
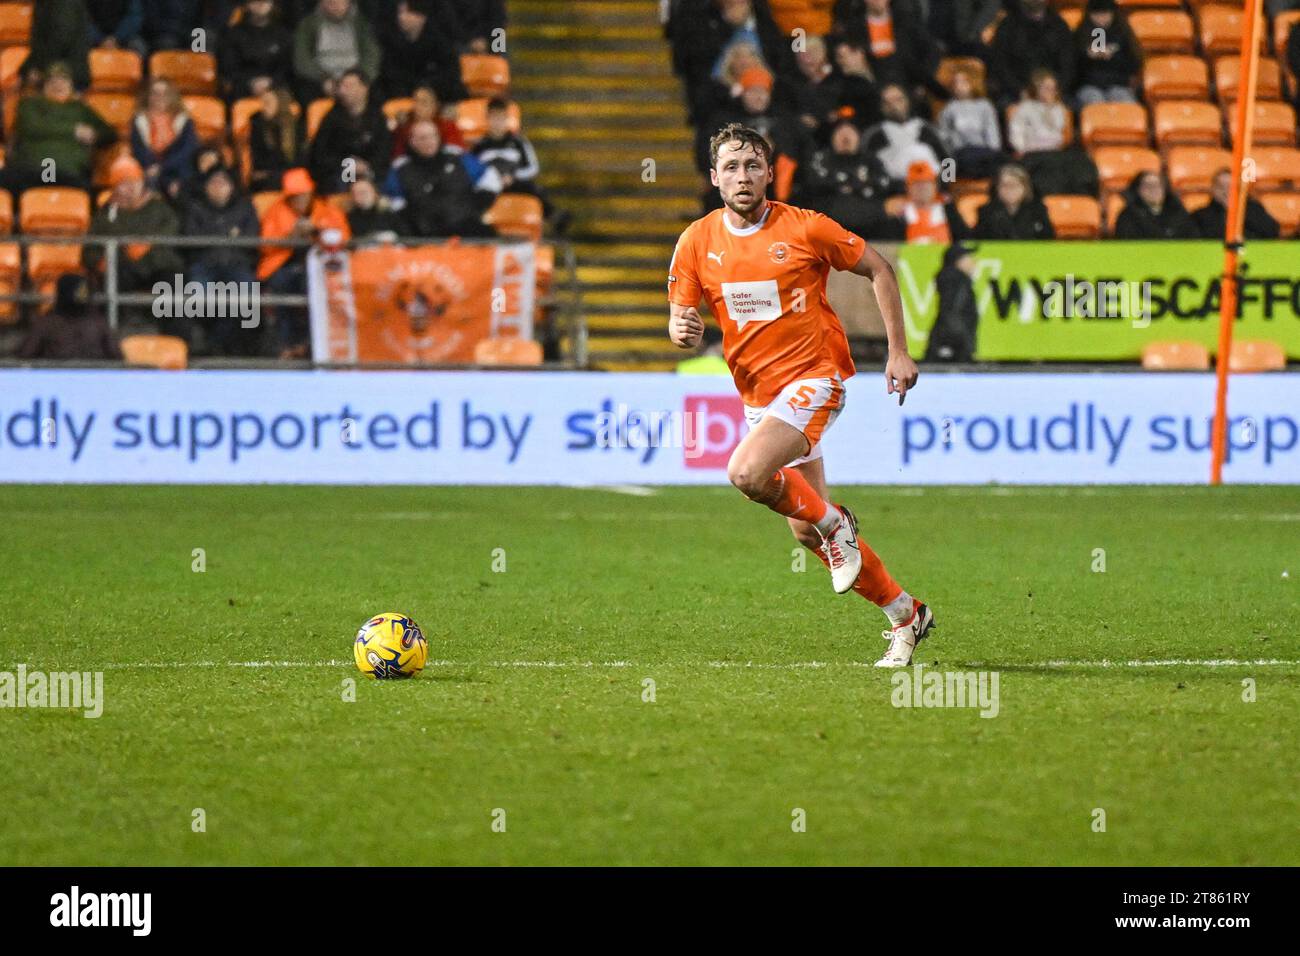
(686, 328)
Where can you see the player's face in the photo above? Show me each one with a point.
(742, 177)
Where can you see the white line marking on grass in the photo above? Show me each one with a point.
(639, 491)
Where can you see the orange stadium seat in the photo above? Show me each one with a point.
(1275, 168)
(1227, 78)
(1192, 167)
(1256, 355)
(54, 211)
(1174, 4)
(1074, 217)
(209, 116)
(193, 73)
(949, 66)
(6, 212)
(1072, 16)
(507, 350)
(1274, 123)
(485, 74)
(1285, 208)
(115, 71)
(1221, 29)
(516, 215)
(968, 207)
(1162, 31)
(1187, 123)
(117, 109)
(1117, 165)
(1114, 206)
(15, 24)
(316, 111)
(1175, 356)
(46, 262)
(396, 109)
(1113, 124)
(11, 280)
(1282, 24)
(155, 351)
(1175, 77)
(471, 118)
(1194, 199)
(241, 119)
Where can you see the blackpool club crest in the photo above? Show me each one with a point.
(778, 252)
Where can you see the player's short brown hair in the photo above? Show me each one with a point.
(742, 134)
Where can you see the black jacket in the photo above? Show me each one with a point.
(428, 60)
(828, 173)
(1030, 221)
(915, 56)
(237, 218)
(952, 339)
(1139, 221)
(248, 52)
(1124, 62)
(440, 197)
(269, 160)
(378, 218)
(1212, 218)
(342, 135)
(777, 123)
(1022, 45)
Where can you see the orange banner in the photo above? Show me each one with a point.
(420, 305)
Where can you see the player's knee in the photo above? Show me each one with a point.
(747, 479)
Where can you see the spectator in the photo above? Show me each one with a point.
(1038, 130)
(163, 139)
(60, 34)
(168, 24)
(901, 139)
(1108, 71)
(703, 33)
(254, 53)
(329, 42)
(372, 214)
(969, 125)
(54, 133)
(72, 329)
(952, 339)
(513, 157)
(354, 129)
(858, 90)
(419, 51)
(959, 25)
(206, 159)
(755, 109)
(441, 190)
(816, 95)
(1211, 220)
(222, 211)
(1152, 211)
(848, 184)
(1013, 212)
(276, 139)
(117, 24)
(425, 105)
(480, 25)
(299, 214)
(1031, 37)
(132, 210)
(927, 216)
(899, 48)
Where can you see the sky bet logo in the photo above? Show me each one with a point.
(707, 429)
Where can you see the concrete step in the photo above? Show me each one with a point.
(587, 11)
(599, 276)
(535, 58)
(529, 31)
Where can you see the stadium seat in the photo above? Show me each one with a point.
(117, 109)
(1285, 208)
(115, 71)
(1275, 168)
(1175, 77)
(1117, 165)
(1175, 357)
(155, 351)
(209, 116)
(1072, 16)
(1173, 4)
(1113, 124)
(516, 215)
(11, 280)
(1220, 30)
(54, 211)
(241, 118)
(968, 207)
(1193, 199)
(15, 24)
(1114, 206)
(485, 74)
(6, 212)
(1192, 167)
(1282, 24)
(1227, 78)
(192, 73)
(1187, 123)
(46, 262)
(949, 65)
(316, 111)
(471, 119)
(1256, 355)
(1162, 31)
(1274, 123)
(967, 187)
(263, 201)
(396, 109)
(11, 58)
(1074, 217)
(507, 350)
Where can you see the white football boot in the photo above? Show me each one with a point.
(842, 552)
(904, 638)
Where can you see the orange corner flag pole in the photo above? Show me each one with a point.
(1243, 122)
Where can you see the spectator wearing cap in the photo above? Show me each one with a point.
(1013, 212)
(969, 125)
(355, 129)
(1031, 37)
(901, 138)
(55, 137)
(60, 34)
(329, 42)
(928, 217)
(847, 183)
(73, 329)
(425, 105)
(277, 140)
(1108, 71)
(298, 214)
(754, 108)
(254, 54)
(133, 210)
(221, 211)
(163, 138)
(898, 46)
(419, 50)
(440, 189)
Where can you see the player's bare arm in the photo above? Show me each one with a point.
(685, 327)
(900, 371)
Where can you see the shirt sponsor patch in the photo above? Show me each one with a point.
(752, 301)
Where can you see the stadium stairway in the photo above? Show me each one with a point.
(595, 86)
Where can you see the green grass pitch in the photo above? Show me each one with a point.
(533, 701)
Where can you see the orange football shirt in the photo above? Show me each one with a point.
(766, 287)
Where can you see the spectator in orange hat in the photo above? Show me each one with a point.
(927, 216)
(298, 214)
